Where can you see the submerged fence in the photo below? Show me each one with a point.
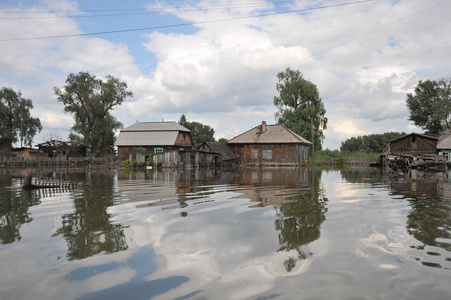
(44, 162)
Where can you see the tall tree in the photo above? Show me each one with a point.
(300, 107)
(430, 106)
(91, 100)
(16, 122)
(199, 132)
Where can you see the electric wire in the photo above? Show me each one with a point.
(182, 24)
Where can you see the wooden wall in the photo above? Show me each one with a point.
(413, 144)
(281, 154)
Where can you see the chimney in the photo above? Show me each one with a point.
(263, 126)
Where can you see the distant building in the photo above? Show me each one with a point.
(270, 145)
(444, 145)
(153, 137)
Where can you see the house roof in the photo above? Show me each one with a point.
(444, 141)
(413, 133)
(150, 134)
(274, 134)
(221, 149)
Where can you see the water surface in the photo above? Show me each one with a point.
(209, 234)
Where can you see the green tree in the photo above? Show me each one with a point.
(223, 140)
(430, 106)
(91, 100)
(300, 107)
(199, 132)
(16, 122)
(372, 143)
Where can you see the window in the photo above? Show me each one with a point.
(267, 154)
(158, 150)
(446, 155)
(254, 153)
(182, 136)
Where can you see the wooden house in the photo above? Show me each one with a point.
(153, 137)
(227, 156)
(270, 145)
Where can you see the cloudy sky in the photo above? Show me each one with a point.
(216, 61)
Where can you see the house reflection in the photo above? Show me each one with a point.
(429, 222)
(295, 194)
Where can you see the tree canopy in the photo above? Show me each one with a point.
(91, 100)
(300, 107)
(16, 122)
(199, 132)
(430, 106)
(372, 143)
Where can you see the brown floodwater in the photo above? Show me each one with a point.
(354, 233)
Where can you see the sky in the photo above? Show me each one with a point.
(217, 61)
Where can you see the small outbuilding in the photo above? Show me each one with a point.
(227, 156)
(266, 145)
(153, 138)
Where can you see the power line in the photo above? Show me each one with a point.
(183, 24)
(196, 7)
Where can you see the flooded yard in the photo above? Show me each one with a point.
(354, 233)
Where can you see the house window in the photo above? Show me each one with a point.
(182, 136)
(446, 155)
(254, 153)
(267, 154)
(158, 150)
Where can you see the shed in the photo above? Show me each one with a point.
(227, 156)
(270, 145)
(153, 137)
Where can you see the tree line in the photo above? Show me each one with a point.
(91, 100)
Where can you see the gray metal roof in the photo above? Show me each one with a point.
(156, 126)
(275, 134)
(444, 141)
(150, 134)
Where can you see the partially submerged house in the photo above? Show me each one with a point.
(270, 145)
(411, 150)
(153, 137)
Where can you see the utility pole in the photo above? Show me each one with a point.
(313, 138)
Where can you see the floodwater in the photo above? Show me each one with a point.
(255, 234)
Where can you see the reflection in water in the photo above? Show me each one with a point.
(429, 196)
(89, 229)
(14, 207)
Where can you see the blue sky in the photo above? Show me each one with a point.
(364, 57)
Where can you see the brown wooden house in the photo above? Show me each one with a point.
(270, 145)
(153, 137)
